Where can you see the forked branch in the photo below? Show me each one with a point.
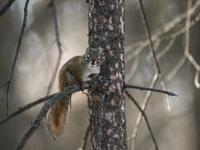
(145, 118)
(26, 107)
(6, 89)
(52, 5)
(68, 90)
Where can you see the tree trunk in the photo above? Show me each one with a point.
(106, 30)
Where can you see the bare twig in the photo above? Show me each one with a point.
(155, 60)
(144, 105)
(68, 90)
(186, 50)
(146, 26)
(43, 113)
(58, 44)
(166, 49)
(149, 89)
(49, 129)
(196, 79)
(84, 141)
(132, 70)
(145, 118)
(6, 7)
(44, 129)
(17, 51)
(2, 85)
(164, 29)
(26, 107)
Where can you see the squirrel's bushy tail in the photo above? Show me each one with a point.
(57, 115)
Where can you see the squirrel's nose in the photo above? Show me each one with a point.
(92, 62)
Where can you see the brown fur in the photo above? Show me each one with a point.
(57, 115)
(74, 70)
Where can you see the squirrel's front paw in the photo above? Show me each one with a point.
(82, 87)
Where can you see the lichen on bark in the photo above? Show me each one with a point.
(106, 30)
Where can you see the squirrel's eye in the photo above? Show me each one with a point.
(99, 58)
(87, 57)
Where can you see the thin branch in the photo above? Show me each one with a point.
(196, 79)
(58, 44)
(133, 68)
(163, 30)
(100, 118)
(49, 129)
(155, 60)
(146, 26)
(6, 7)
(143, 106)
(149, 89)
(187, 42)
(3, 85)
(166, 48)
(17, 51)
(44, 129)
(84, 141)
(176, 68)
(68, 90)
(26, 107)
(145, 118)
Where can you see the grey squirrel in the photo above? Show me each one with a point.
(78, 69)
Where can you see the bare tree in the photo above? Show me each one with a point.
(108, 126)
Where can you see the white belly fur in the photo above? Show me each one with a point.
(89, 71)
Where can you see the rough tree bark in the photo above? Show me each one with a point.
(106, 29)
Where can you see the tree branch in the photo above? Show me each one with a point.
(155, 60)
(58, 44)
(143, 106)
(6, 89)
(84, 141)
(68, 90)
(145, 118)
(149, 89)
(6, 6)
(26, 107)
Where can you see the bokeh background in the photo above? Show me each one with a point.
(174, 130)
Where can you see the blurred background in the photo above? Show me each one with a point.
(177, 49)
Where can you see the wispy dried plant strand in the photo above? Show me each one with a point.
(145, 118)
(17, 50)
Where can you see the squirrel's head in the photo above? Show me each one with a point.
(92, 57)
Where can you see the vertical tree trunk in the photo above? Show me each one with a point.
(106, 29)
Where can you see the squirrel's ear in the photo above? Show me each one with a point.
(100, 50)
(88, 49)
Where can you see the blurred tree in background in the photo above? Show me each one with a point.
(174, 26)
